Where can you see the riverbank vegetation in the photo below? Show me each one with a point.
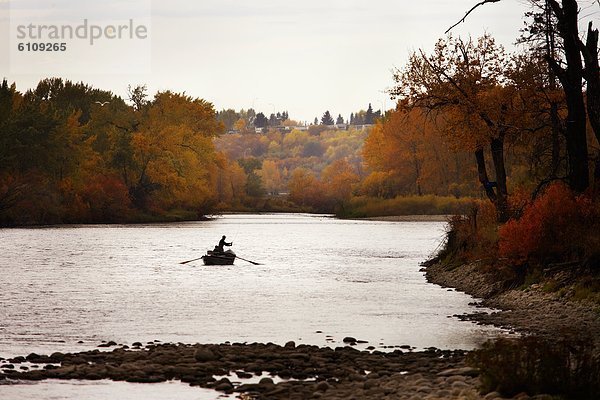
(531, 121)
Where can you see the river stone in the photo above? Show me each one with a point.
(223, 385)
(349, 339)
(203, 354)
(322, 386)
(370, 383)
(424, 389)
(459, 385)
(455, 378)
(465, 371)
(243, 375)
(492, 396)
(57, 357)
(266, 382)
(290, 345)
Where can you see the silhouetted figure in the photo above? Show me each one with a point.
(221, 244)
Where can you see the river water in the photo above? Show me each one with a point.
(320, 279)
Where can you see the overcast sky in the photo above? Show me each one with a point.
(302, 56)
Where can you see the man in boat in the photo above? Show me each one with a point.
(219, 248)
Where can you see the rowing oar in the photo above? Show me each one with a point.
(185, 262)
(251, 262)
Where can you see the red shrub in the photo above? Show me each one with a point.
(556, 227)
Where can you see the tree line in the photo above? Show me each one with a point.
(72, 153)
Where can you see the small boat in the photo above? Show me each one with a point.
(219, 258)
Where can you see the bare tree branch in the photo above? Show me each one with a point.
(470, 11)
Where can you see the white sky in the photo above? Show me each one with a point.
(302, 56)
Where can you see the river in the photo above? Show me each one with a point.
(321, 279)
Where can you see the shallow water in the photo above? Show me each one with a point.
(62, 285)
(53, 389)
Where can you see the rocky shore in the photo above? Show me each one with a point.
(529, 309)
(265, 371)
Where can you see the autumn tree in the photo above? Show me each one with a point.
(466, 80)
(339, 180)
(406, 155)
(567, 64)
(305, 189)
(271, 176)
(173, 152)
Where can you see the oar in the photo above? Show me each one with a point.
(251, 262)
(185, 262)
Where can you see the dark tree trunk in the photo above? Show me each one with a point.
(483, 176)
(497, 147)
(592, 77)
(417, 166)
(556, 130)
(571, 81)
(554, 116)
(499, 196)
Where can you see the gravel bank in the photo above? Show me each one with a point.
(528, 310)
(266, 371)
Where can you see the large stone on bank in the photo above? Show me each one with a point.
(223, 385)
(204, 354)
(57, 357)
(32, 356)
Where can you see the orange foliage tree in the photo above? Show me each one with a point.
(466, 83)
(407, 155)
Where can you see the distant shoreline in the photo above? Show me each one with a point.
(408, 218)
(210, 217)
